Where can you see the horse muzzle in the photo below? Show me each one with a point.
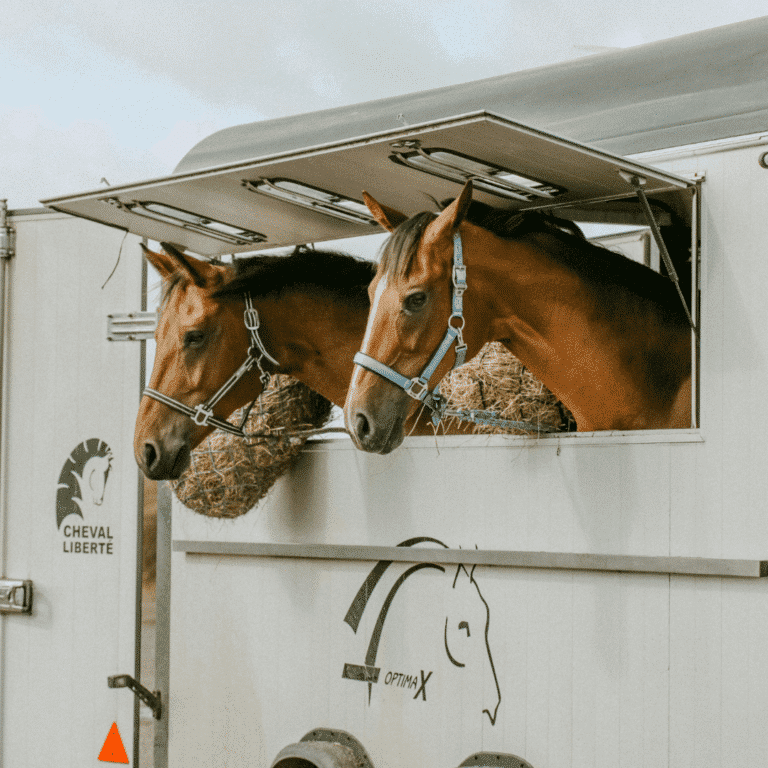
(378, 429)
(163, 459)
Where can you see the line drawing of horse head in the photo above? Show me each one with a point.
(465, 632)
(83, 478)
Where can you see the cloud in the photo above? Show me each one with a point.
(123, 90)
(42, 159)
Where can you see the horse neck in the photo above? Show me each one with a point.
(596, 348)
(516, 295)
(315, 338)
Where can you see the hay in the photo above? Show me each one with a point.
(227, 476)
(496, 380)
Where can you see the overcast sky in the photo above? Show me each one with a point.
(122, 90)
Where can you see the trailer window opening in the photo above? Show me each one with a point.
(486, 176)
(229, 233)
(314, 198)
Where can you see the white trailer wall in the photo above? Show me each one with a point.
(67, 385)
(586, 668)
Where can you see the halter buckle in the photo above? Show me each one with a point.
(460, 278)
(417, 388)
(251, 317)
(461, 355)
(202, 414)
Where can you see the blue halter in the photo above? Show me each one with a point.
(418, 386)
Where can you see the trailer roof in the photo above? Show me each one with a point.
(685, 90)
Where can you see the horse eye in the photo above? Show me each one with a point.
(194, 339)
(415, 301)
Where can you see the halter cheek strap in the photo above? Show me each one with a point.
(418, 386)
(202, 414)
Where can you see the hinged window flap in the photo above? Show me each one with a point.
(315, 194)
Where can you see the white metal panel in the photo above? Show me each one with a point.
(68, 385)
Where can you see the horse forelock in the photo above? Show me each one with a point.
(399, 250)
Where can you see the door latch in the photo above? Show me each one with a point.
(15, 596)
(152, 699)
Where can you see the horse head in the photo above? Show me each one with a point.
(201, 340)
(411, 303)
(466, 639)
(94, 478)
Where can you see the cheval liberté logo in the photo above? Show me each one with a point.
(80, 492)
(464, 633)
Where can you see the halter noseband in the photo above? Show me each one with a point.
(418, 386)
(202, 414)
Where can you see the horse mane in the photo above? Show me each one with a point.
(563, 240)
(343, 276)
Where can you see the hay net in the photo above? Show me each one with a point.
(227, 475)
(495, 380)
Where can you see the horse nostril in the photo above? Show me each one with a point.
(150, 455)
(362, 427)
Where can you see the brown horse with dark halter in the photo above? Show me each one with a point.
(609, 337)
(312, 308)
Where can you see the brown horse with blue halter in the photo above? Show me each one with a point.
(224, 328)
(609, 337)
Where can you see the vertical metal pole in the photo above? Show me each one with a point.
(637, 184)
(6, 251)
(139, 545)
(163, 620)
(696, 239)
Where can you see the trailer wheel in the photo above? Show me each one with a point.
(324, 748)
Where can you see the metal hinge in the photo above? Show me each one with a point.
(15, 596)
(131, 326)
(152, 699)
(6, 232)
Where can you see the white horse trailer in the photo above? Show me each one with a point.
(580, 599)
(68, 520)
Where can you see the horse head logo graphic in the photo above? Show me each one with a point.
(465, 633)
(83, 478)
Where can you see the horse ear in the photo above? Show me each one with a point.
(389, 218)
(160, 261)
(456, 212)
(192, 267)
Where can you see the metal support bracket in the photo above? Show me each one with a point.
(152, 699)
(131, 326)
(637, 183)
(15, 596)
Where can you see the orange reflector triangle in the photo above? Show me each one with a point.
(113, 750)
